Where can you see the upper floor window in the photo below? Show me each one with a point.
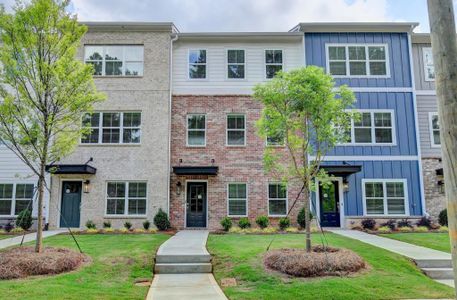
(236, 64)
(236, 130)
(196, 130)
(15, 198)
(372, 127)
(277, 199)
(385, 197)
(429, 68)
(115, 60)
(237, 199)
(273, 62)
(126, 198)
(112, 128)
(434, 130)
(353, 60)
(197, 64)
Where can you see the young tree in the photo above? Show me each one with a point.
(303, 110)
(44, 90)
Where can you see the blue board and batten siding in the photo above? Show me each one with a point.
(389, 163)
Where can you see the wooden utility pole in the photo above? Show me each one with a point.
(444, 47)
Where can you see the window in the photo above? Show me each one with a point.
(273, 62)
(196, 130)
(235, 64)
(385, 197)
(14, 198)
(357, 60)
(372, 127)
(115, 60)
(277, 140)
(237, 199)
(112, 128)
(277, 199)
(236, 130)
(434, 130)
(197, 64)
(126, 198)
(429, 68)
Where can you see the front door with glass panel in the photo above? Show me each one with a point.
(329, 204)
(71, 202)
(196, 204)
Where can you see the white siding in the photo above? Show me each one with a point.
(216, 82)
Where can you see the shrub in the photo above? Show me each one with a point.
(146, 225)
(92, 230)
(368, 224)
(161, 220)
(124, 230)
(405, 229)
(152, 230)
(90, 224)
(301, 218)
(226, 223)
(17, 230)
(443, 229)
(442, 218)
(107, 224)
(262, 221)
(425, 222)
(24, 219)
(108, 230)
(384, 229)
(421, 229)
(235, 230)
(404, 223)
(291, 229)
(392, 224)
(270, 230)
(128, 225)
(139, 230)
(244, 223)
(284, 223)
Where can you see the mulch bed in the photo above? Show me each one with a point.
(23, 262)
(321, 261)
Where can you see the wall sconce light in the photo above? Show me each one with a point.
(178, 188)
(345, 186)
(86, 186)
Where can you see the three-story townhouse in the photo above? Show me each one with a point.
(119, 172)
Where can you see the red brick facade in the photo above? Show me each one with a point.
(236, 164)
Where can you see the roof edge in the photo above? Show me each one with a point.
(131, 26)
(241, 35)
(421, 38)
(355, 27)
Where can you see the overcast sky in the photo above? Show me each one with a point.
(248, 15)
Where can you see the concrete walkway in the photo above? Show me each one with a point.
(183, 269)
(30, 237)
(436, 264)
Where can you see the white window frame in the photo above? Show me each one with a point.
(431, 130)
(124, 61)
(126, 199)
(272, 64)
(189, 63)
(237, 199)
(268, 197)
(367, 60)
(121, 128)
(384, 187)
(199, 130)
(227, 129)
(13, 199)
(424, 61)
(373, 127)
(227, 64)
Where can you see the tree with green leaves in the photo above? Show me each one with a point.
(305, 112)
(44, 89)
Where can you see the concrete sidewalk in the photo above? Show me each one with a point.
(30, 237)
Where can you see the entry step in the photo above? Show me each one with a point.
(182, 268)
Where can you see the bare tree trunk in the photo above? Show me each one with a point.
(444, 46)
(39, 233)
(307, 219)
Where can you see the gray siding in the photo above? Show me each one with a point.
(418, 60)
(426, 105)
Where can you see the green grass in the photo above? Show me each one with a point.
(391, 276)
(117, 261)
(433, 240)
(5, 236)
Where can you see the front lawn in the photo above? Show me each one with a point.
(117, 261)
(391, 276)
(435, 240)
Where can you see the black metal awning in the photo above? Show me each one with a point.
(211, 170)
(71, 169)
(341, 170)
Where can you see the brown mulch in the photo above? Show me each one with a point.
(321, 261)
(23, 262)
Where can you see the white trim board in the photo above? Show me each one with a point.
(370, 157)
(426, 92)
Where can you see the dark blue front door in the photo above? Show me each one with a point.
(329, 204)
(196, 204)
(71, 201)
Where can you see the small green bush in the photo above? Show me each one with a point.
(244, 223)
(442, 218)
(107, 224)
(284, 223)
(90, 225)
(128, 225)
(146, 225)
(24, 219)
(161, 220)
(421, 229)
(262, 221)
(301, 218)
(384, 229)
(226, 223)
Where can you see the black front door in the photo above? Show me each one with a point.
(196, 204)
(71, 200)
(329, 204)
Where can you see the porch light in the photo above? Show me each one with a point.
(178, 188)
(86, 186)
(345, 186)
